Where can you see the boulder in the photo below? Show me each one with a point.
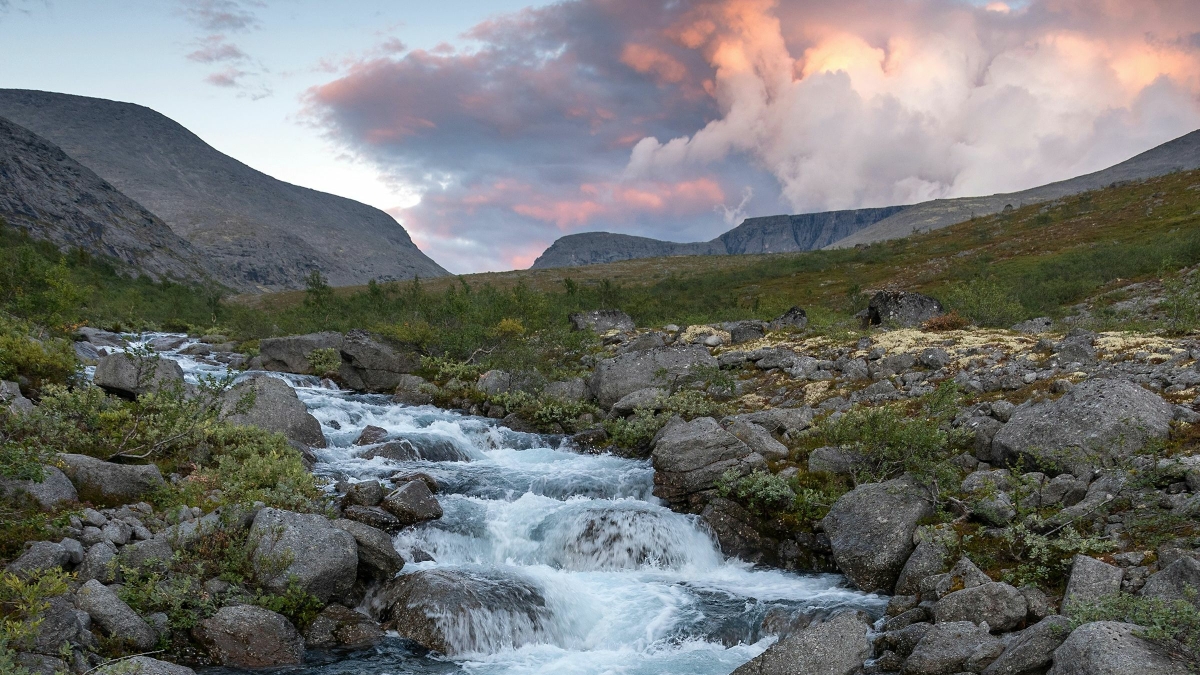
(494, 382)
(108, 484)
(1041, 324)
(99, 562)
(793, 319)
(834, 647)
(902, 308)
(574, 389)
(131, 376)
(370, 365)
(100, 338)
(468, 610)
(10, 397)
(1090, 580)
(41, 556)
(947, 648)
(364, 493)
(783, 421)
(835, 460)
(320, 556)
(51, 492)
(601, 321)
(61, 624)
(871, 530)
(1178, 581)
(999, 605)
(1085, 428)
(275, 408)
(689, 457)
(745, 331)
(1032, 650)
(290, 354)
(143, 665)
(373, 516)
(904, 640)
(370, 435)
(377, 556)
(928, 559)
(114, 617)
(147, 553)
(414, 390)
(340, 626)
(1113, 648)
(735, 530)
(412, 503)
(664, 367)
(650, 398)
(246, 636)
(758, 439)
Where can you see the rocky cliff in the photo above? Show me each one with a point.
(267, 233)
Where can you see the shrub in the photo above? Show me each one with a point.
(25, 352)
(636, 431)
(22, 600)
(1181, 303)
(949, 321)
(761, 491)
(1174, 624)
(324, 361)
(986, 303)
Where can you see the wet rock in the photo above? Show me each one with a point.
(371, 365)
(617, 377)
(902, 308)
(323, 558)
(736, 531)
(143, 665)
(370, 435)
(52, 491)
(412, 503)
(364, 493)
(793, 319)
(340, 626)
(1032, 649)
(1084, 429)
(601, 321)
(999, 605)
(834, 647)
(114, 617)
(871, 530)
(688, 458)
(947, 648)
(1090, 580)
(290, 354)
(1112, 648)
(275, 407)
(377, 556)
(110, 484)
(414, 390)
(245, 636)
(1178, 581)
(430, 448)
(131, 376)
(373, 516)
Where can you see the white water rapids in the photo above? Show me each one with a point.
(630, 587)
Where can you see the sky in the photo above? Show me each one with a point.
(489, 128)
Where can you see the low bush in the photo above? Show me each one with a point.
(22, 600)
(986, 303)
(26, 352)
(324, 361)
(1173, 624)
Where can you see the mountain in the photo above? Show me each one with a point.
(52, 197)
(769, 234)
(837, 229)
(264, 233)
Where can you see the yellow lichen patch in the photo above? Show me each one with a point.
(698, 333)
(753, 402)
(1126, 342)
(815, 392)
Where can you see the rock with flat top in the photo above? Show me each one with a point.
(110, 484)
(245, 636)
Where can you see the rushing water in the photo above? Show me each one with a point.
(631, 588)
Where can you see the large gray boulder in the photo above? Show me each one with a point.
(275, 408)
(902, 308)
(114, 617)
(245, 636)
(834, 647)
(108, 484)
(758, 439)
(1090, 581)
(54, 490)
(131, 376)
(412, 503)
(61, 624)
(1113, 648)
(1032, 649)
(371, 365)
(1084, 429)
(928, 559)
(601, 321)
(100, 338)
(689, 457)
(340, 626)
(377, 556)
(290, 354)
(664, 367)
(1001, 606)
(321, 557)
(947, 648)
(143, 665)
(1178, 581)
(871, 530)
(41, 556)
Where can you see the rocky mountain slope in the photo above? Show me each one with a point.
(269, 234)
(840, 229)
(53, 197)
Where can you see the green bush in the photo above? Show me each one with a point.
(986, 303)
(762, 491)
(26, 352)
(22, 600)
(324, 361)
(636, 431)
(1174, 624)
(1181, 303)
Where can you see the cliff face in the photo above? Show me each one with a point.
(263, 233)
(53, 197)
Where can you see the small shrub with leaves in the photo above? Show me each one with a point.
(1173, 624)
(986, 303)
(762, 491)
(22, 600)
(324, 361)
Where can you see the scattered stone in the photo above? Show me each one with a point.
(1032, 649)
(131, 376)
(99, 562)
(148, 553)
(274, 407)
(1178, 581)
(290, 354)
(650, 398)
(793, 319)
(784, 421)
(322, 558)
(1090, 580)
(1112, 648)
(340, 626)
(745, 331)
(871, 530)
(370, 435)
(246, 636)
(928, 559)
(373, 516)
(377, 555)
(412, 503)
(947, 647)
(688, 458)
(115, 617)
(1036, 326)
(902, 308)
(834, 647)
(601, 321)
(110, 484)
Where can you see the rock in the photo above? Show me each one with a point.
(734, 528)
(373, 516)
(793, 319)
(143, 665)
(370, 435)
(1178, 581)
(100, 338)
(964, 574)
(934, 358)
(688, 458)
(412, 503)
(61, 624)
(38, 664)
(1085, 428)
(414, 390)
(601, 321)
(39, 557)
(782, 421)
(902, 308)
(758, 439)
(146, 553)
(947, 647)
(52, 491)
(928, 559)
(340, 626)
(1032, 649)
(665, 367)
(574, 389)
(1042, 324)
(834, 647)
(131, 376)
(871, 530)
(1071, 351)
(10, 396)
(494, 382)
(245, 636)
(109, 484)
(650, 398)
(87, 353)
(364, 493)
(275, 408)
(833, 460)
(114, 617)
(99, 562)
(904, 640)
(1001, 606)
(321, 557)
(1090, 580)
(370, 365)
(1112, 648)
(456, 611)
(1063, 489)
(290, 354)
(377, 555)
(745, 331)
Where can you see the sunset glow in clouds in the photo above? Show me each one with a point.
(656, 117)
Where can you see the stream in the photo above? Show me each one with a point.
(632, 587)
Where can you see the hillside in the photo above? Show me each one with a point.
(266, 233)
(52, 197)
(840, 229)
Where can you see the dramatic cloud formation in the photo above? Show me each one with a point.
(675, 120)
